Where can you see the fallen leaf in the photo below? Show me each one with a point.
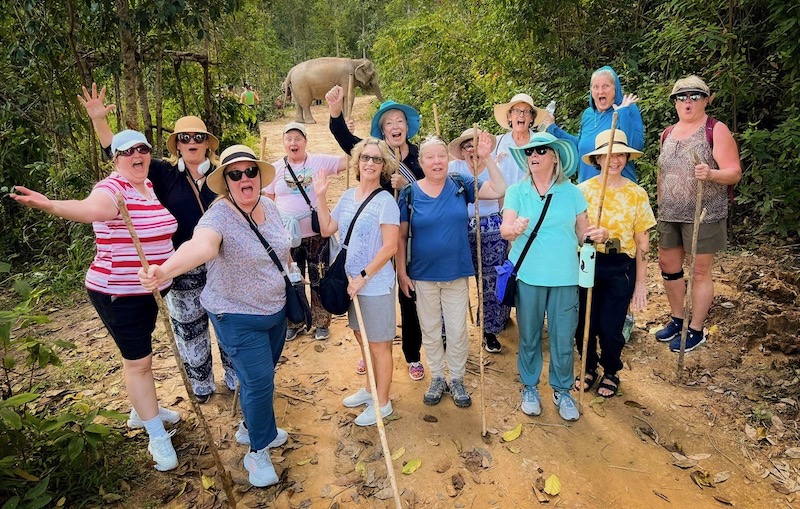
(514, 449)
(434, 439)
(457, 443)
(411, 466)
(699, 457)
(399, 452)
(661, 495)
(319, 348)
(208, 482)
(458, 481)
(597, 406)
(303, 462)
(443, 466)
(685, 463)
(513, 434)
(429, 418)
(713, 329)
(750, 432)
(392, 417)
(792, 452)
(552, 486)
(702, 479)
(722, 477)
(361, 469)
(723, 501)
(634, 404)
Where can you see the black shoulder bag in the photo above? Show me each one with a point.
(314, 216)
(333, 286)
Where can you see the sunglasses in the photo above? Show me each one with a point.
(694, 97)
(142, 149)
(467, 146)
(236, 175)
(375, 159)
(187, 137)
(539, 150)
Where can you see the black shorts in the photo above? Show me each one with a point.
(130, 320)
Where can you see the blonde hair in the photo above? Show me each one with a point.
(390, 165)
(557, 176)
(430, 141)
(211, 156)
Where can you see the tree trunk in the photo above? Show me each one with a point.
(128, 51)
(176, 64)
(118, 99)
(144, 100)
(159, 99)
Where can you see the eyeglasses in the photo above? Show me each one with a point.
(142, 149)
(375, 159)
(517, 111)
(694, 97)
(539, 150)
(236, 175)
(197, 137)
(467, 146)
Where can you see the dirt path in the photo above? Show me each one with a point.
(616, 455)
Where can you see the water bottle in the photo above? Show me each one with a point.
(587, 258)
(551, 109)
(294, 273)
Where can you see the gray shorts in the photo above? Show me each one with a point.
(379, 315)
(711, 238)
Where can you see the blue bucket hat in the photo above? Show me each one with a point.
(126, 139)
(567, 153)
(412, 118)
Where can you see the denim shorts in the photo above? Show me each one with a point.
(130, 319)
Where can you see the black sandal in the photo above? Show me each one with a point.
(588, 381)
(609, 383)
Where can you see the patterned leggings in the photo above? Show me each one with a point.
(313, 252)
(493, 252)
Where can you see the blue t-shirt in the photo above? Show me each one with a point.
(552, 259)
(438, 231)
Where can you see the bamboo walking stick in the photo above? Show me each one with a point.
(387, 455)
(227, 483)
(588, 314)
(396, 168)
(436, 120)
(479, 257)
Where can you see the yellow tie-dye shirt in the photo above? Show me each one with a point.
(626, 211)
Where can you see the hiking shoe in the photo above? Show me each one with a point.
(367, 417)
(243, 436)
(566, 406)
(361, 397)
(531, 401)
(322, 333)
(292, 332)
(693, 340)
(490, 343)
(259, 464)
(673, 328)
(627, 327)
(459, 392)
(361, 367)
(167, 416)
(434, 393)
(163, 453)
(416, 371)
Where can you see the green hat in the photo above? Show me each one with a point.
(567, 153)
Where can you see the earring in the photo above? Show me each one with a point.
(510, 124)
(181, 165)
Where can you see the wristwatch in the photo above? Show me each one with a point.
(364, 274)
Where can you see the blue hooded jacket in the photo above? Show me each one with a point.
(593, 122)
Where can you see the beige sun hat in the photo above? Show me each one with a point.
(190, 124)
(620, 146)
(233, 154)
(501, 110)
(455, 146)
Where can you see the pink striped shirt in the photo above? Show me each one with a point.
(116, 264)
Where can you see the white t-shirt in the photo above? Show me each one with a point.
(505, 161)
(511, 176)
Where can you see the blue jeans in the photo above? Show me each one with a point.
(254, 344)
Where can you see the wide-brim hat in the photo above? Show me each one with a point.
(567, 153)
(412, 119)
(190, 124)
(233, 154)
(620, 146)
(126, 139)
(501, 110)
(455, 146)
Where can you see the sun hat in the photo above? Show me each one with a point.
(412, 119)
(620, 146)
(501, 110)
(233, 154)
(690, 84)
(296, 126)
(126, 139)
(567, 153)
(455, 146)
(190, 124)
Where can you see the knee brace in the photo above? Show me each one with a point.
(672, 277)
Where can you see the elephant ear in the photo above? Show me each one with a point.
(363, 74)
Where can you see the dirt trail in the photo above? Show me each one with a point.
(616, 455)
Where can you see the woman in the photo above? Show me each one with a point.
(518, 117)
(395, 123)
(621, 264)
(127, 310)
(293, 193)
(605, 97)
(547, 282)
(372, 244)
(433, 218)
(698, 147)
(179, 183)
(250, 326)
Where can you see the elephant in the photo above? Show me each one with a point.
(311, 79)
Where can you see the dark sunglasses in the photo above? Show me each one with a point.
(187, 137)
(142, 149)
(684, 97)
(539, 150)
(236, 175)
(375, 159)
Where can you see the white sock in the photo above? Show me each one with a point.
(155, 427)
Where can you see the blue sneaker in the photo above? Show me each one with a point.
(531, 401)
(693, 340)
(673, 329)
(566, 406)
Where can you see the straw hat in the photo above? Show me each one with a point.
(620, 146)
(233, 154)
(190, 124)
(688, 85)
(412, 119)
(567, 153)
(501, 110)
(455, 146)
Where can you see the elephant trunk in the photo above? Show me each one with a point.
(376, 90)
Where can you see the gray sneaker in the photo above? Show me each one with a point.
(531, 401)
(566, 406)
(434, 394)
(459, 392)
(292, 332)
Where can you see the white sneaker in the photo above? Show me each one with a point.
(362, 397)
(167, 416)
(259, 464)
(163, 453)
(243, 437)
(367, 417)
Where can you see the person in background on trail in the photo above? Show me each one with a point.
(396, 124)
(493, 246)
(433, 259)
(127, 310)
(697, 148)
(289, 192)
(179, 184)
(621, 264)
(250, 326)
(249, 96)
(547, 282)
(372, 245)
(230, 92)
(605, 97)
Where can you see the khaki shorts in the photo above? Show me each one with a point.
(712, 237)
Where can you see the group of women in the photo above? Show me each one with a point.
(228, 219)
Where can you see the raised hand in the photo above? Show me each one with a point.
(94, 102)
(627, 100)
(321, 185)
(484, 149)
(335, 97)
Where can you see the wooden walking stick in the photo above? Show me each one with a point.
(436, 120)
(588, 314)
(478, 253)
(227, 483)
(396, 168)
(348, 110)
(387, 455)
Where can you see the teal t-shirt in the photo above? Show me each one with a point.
(553, 257)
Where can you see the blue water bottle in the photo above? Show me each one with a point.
(588, 255)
